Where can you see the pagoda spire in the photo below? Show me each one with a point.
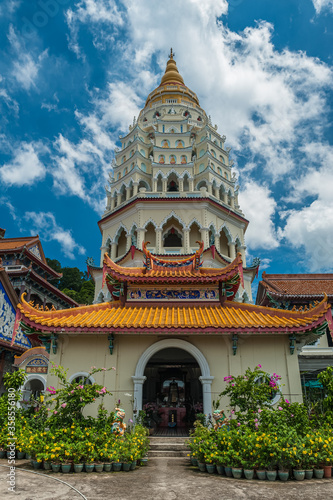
(172, 74)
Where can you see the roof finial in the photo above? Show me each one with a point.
(172, 54)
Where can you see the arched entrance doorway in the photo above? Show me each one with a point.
(205, 377)
(172, 392)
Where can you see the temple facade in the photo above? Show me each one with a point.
(173, 312)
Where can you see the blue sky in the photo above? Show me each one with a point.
(74, 73)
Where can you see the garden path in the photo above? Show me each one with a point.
(163, 479)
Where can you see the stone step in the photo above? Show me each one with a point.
(167, 453)
(168, 446)
(171, 439)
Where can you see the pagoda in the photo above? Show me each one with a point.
(172, 311)
(172, 185)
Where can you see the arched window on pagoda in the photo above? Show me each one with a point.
(195, 235)
(173, 238)
(172, 183)
(211, 236)
(150, 235)
(123, 194)
(121, 243)
(172, 234)
(224, 244)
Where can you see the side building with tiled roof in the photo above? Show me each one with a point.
(301, 291)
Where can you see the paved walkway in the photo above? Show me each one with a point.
(162, 479)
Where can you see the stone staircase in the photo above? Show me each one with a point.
(168, 447)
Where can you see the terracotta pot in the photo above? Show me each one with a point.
(327, 471)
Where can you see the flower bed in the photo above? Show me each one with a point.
(56, 435)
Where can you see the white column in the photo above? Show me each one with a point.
(186, 232)
(207, 394)
(141, 236)
(128, 241)
(216, 193)
(242, 249)
(158, 240)
(191, 185)
(164, 185)
(209, 185)
(128, 193)
(205, 236)
(113, 251)
(225, 198)
(118, 199)
(135, 188)
(232, 250)
(232, 201)
(103, 250)
(138, 386)
(108, 202)
(181, 185)
(155, 185)
(112, 203)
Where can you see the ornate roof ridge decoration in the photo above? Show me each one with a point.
(182, 270)
(154, 263)
(229, 318)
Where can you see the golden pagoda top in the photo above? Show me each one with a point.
(172, 86)
(172, 74)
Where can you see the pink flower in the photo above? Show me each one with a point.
(64, 405)
(104, 369)
(256, 425)
(80, 386)
(55, 412)
(80, 399)
(72, 392)
(286, 400)
(259, 411)
(113, 368)
(259, 366)
(232, 412)
(238, 424)
(280, 408)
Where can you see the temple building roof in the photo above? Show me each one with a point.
(307, 287)
(152, 318)
(181, 270)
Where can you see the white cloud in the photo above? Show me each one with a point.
(311, 226)
(320, 5)
(25, 168)
(26, 66)
(45, 224)
(9, 101)
(119, 105)
(259, 207)
(7, 203)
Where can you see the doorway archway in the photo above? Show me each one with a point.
(205, 378)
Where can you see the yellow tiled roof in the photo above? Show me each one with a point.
(231, 315)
